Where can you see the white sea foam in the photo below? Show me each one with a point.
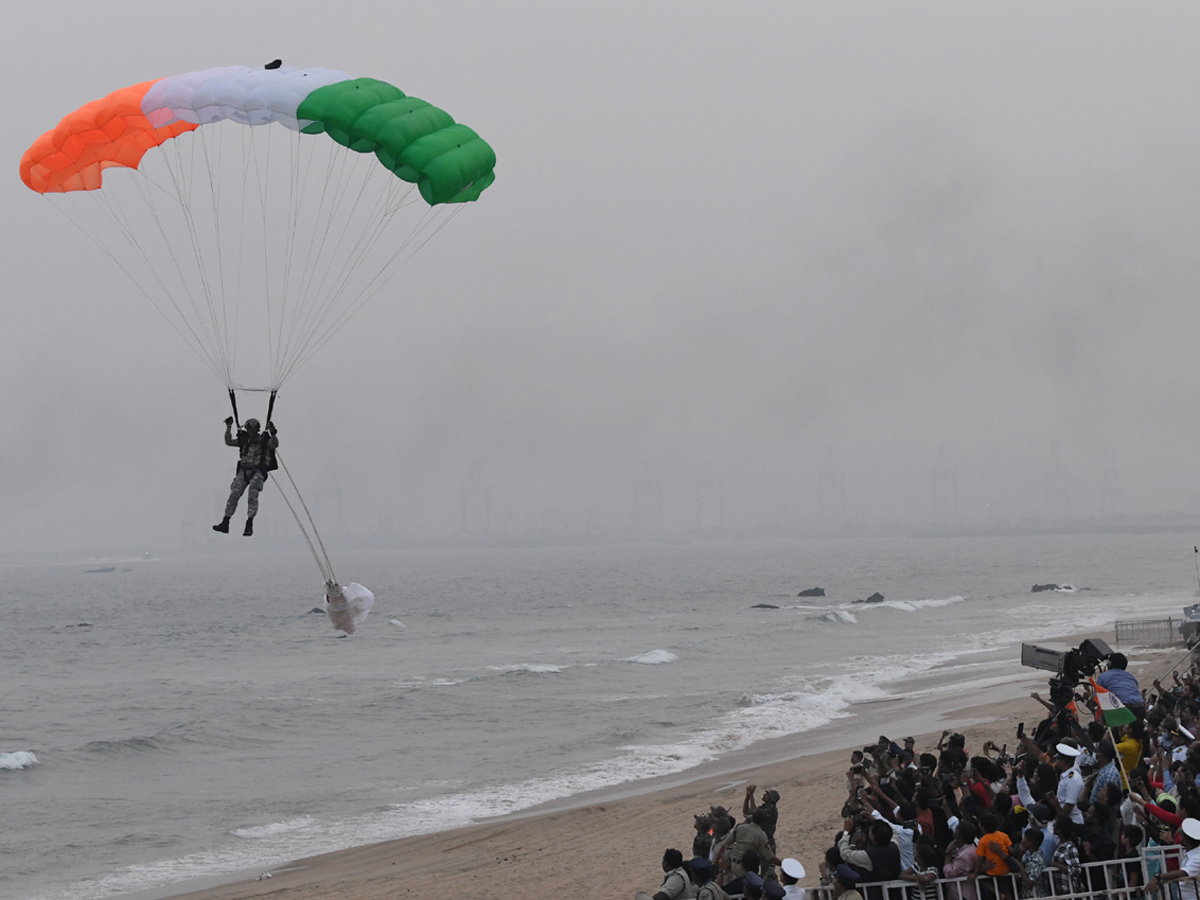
(837, 616)
(421, 682)
(18, 759)
(915, 605)
(528, 668)
(274, 828)
(653, 658)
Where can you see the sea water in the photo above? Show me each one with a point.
(180, 718)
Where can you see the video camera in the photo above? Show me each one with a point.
(1070, 665)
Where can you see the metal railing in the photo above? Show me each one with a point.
(1117, 879)
(1149, 632)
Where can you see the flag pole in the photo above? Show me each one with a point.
(1112, 737)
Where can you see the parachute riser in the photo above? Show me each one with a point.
(233, 403)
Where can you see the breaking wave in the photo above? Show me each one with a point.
(17, 759)
(653, 658)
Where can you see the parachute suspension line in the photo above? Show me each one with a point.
(264, 181)
(313, 251)
(322, 558)
(331, 285)
(317, 297)
(432, 222)
(291, 302)
(261, 173)
(373, 229)
(146, 186)
(338, 174)
(303, 184)
(189, 336)
(295, 154)
(185, 196)
(389, 205)
(215, 197)
(108, 203)
(183, 189)
(250, 187)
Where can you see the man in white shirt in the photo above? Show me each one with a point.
(1070, 780)
(1190, 869)
(790, 873)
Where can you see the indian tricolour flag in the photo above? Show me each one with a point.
(1111, 708)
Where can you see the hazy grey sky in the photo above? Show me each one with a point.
(910, 263)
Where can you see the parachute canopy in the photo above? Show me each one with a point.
(347, 605)
(258, 243)
(421, 144)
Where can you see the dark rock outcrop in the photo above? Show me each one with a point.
(812, 592)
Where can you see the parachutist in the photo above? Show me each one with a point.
(256, 457)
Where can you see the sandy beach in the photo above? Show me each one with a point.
(612, 847)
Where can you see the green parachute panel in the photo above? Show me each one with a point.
(420, 143)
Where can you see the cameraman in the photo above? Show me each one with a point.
(1124, 685)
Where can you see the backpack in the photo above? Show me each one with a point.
(269, 462)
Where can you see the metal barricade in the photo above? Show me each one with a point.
(1118, 879)
(1149, 632)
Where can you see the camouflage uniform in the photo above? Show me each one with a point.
(251, 470)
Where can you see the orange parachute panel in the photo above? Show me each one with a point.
(111, 131)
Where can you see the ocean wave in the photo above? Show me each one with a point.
(749, 699)
(421, 681)
(766, 715)
(274, 828)
(836, 617)
(150, 744)
(528, 669)
(17, 759)
(653, 658)
(925, 603)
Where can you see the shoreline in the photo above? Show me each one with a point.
(613, 838)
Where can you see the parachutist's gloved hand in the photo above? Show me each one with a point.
(229, 421)
(271, 428)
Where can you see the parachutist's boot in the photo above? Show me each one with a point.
(249, 527)
(223, 527)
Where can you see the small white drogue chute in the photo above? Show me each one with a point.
(347, 605)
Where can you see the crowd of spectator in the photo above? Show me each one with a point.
(954, 824)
